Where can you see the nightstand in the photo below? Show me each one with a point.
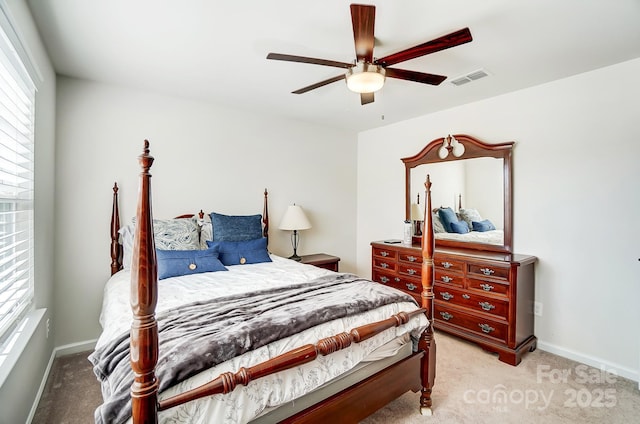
(321, 260)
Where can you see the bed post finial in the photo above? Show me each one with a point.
(116, 260)
(144, 295)
(265, 217)
(427, 342)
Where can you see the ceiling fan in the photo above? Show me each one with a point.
(367, 74)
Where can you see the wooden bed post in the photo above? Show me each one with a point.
(115, 226)
(265, 217)
(144, 296)
(427, 342)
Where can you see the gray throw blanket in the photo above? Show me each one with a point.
(200, 335)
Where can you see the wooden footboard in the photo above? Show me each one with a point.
(416, 372)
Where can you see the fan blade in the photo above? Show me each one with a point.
(415, 76)
(302, 59)
(363, 19)
(366, 98)
(446, 41)
(318, 84)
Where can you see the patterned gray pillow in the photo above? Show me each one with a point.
(469, 215)
(168, 234)
(438, 227)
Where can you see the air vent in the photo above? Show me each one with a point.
(471, 76)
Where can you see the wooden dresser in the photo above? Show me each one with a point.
(483, 297)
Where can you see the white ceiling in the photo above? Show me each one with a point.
(215, 50)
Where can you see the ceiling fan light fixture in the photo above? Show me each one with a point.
(365, 77)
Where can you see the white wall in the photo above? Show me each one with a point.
(19, 391)
(576, 201)
(206, 157)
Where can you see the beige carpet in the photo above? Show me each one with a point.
(472, 386)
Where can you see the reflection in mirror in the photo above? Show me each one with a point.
(468, 184)
(473, 180)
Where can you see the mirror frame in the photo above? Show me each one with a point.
(474, 148)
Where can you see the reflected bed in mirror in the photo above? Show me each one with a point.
(471, 193)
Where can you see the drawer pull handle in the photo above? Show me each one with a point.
(384, 265)
(397, 279)
(446, 278)
(486, 287)
(486, 328)
(446, 295)
(447, 265)
(446, 316)
(384, 254)
(384, 279)
(486, 306)
(412, 271)
(487, 271)
(411, 286)
(412, 258)
(466, 296)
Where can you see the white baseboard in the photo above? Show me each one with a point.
(625, 372)
(72, 348)
(57, 352)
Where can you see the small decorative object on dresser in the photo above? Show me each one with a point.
(321, 260)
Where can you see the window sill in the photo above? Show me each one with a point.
(26, 329)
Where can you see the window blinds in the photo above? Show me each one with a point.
(17, 107)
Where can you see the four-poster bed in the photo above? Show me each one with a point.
(346, 398)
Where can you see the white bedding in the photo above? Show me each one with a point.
(489, 237)
(246, 403)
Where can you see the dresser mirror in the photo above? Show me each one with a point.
(466, 174)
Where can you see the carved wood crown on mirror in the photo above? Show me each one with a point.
(457, 148)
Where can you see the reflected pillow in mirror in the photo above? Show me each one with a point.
(437, 224)
(459, 227)
(447, 216)
(470, 215)
(483, 226)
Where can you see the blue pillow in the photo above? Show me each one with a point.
(236, 227)
(482, 226)
(242, 252)
(447, 216)
(460, 227)
(172, 263)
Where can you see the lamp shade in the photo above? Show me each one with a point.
(417, 213)
(294, 219)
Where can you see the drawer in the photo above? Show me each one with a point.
(485, 286)
(410, 269)
(384, 263)
(411, 258)
(448, 264)
(384, 277)
(407, 285)
(490, 271)
(448, 277)
(385, 253)
(474, 302)
(479, 325)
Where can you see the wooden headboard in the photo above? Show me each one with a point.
(116, 247)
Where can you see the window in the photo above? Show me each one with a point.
(17, 107)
